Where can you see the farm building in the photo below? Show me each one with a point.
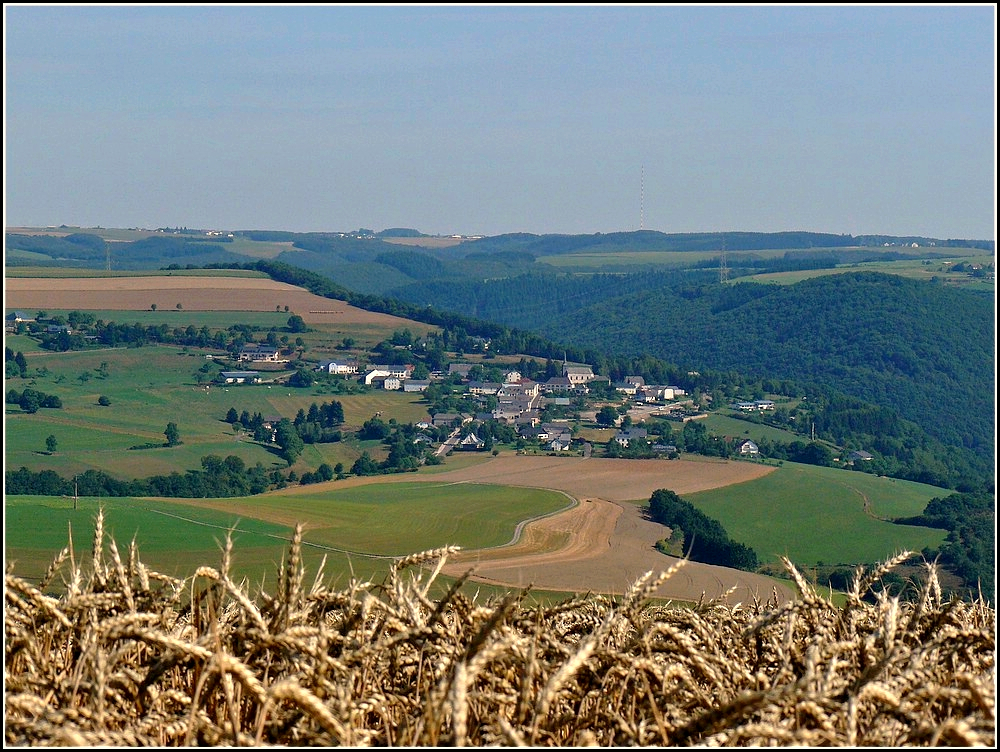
(239, 377)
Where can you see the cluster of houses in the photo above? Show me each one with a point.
(518, 400)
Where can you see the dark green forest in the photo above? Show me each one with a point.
(926, 351)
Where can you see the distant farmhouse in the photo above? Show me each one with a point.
(340, 368)
(239, 377)
(260, 353)
(13, 319)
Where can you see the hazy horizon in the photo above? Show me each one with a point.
(488, 120)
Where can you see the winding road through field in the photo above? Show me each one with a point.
(604, 542)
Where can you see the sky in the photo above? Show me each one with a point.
(490, 119)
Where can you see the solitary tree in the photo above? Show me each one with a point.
(172, 434)
(607, 416)
(153, 307)
(51, 444)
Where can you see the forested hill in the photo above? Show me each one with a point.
(925, 350)
(652, 240)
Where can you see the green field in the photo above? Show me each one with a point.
(817, 515)
(60, 272)
(151, 386)
(724, 425)
(359, 529)
(924, 269)
(912, 269)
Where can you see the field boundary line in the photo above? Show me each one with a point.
(276, 537)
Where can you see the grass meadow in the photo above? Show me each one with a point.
(724, 425)
(151, 386)
(821, 515)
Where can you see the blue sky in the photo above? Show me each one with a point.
(494, 119)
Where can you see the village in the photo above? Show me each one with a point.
(514, 401)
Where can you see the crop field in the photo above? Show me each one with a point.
(66, 272)
(207, 660)
(359, 528)
(191, 292)
(343, 517)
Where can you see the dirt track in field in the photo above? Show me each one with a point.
(193, 293)
(602, 543)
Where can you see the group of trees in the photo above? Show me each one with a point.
(705, 539)
(86, 332)
(30, 400)
(15, 364)
(406, 451)
(320, 425)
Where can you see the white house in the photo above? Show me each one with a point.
(260, 353)
(578, 374)
(340, 368)
(385, 371)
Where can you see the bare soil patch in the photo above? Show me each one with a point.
(192, 292)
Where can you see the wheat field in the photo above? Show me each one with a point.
(126, 656)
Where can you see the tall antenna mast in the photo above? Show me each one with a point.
(723, 267)
(642, 196)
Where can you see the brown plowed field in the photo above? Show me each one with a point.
(192, 292)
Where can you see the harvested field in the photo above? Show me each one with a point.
(194, 293)
(611, 479)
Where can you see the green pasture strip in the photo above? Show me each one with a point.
(815, 514)
(16, 254)
(256, 248)
(151, 386)
(399, 518)
(598, 259)
(22, 343)
(172, 538)
(909, 268)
